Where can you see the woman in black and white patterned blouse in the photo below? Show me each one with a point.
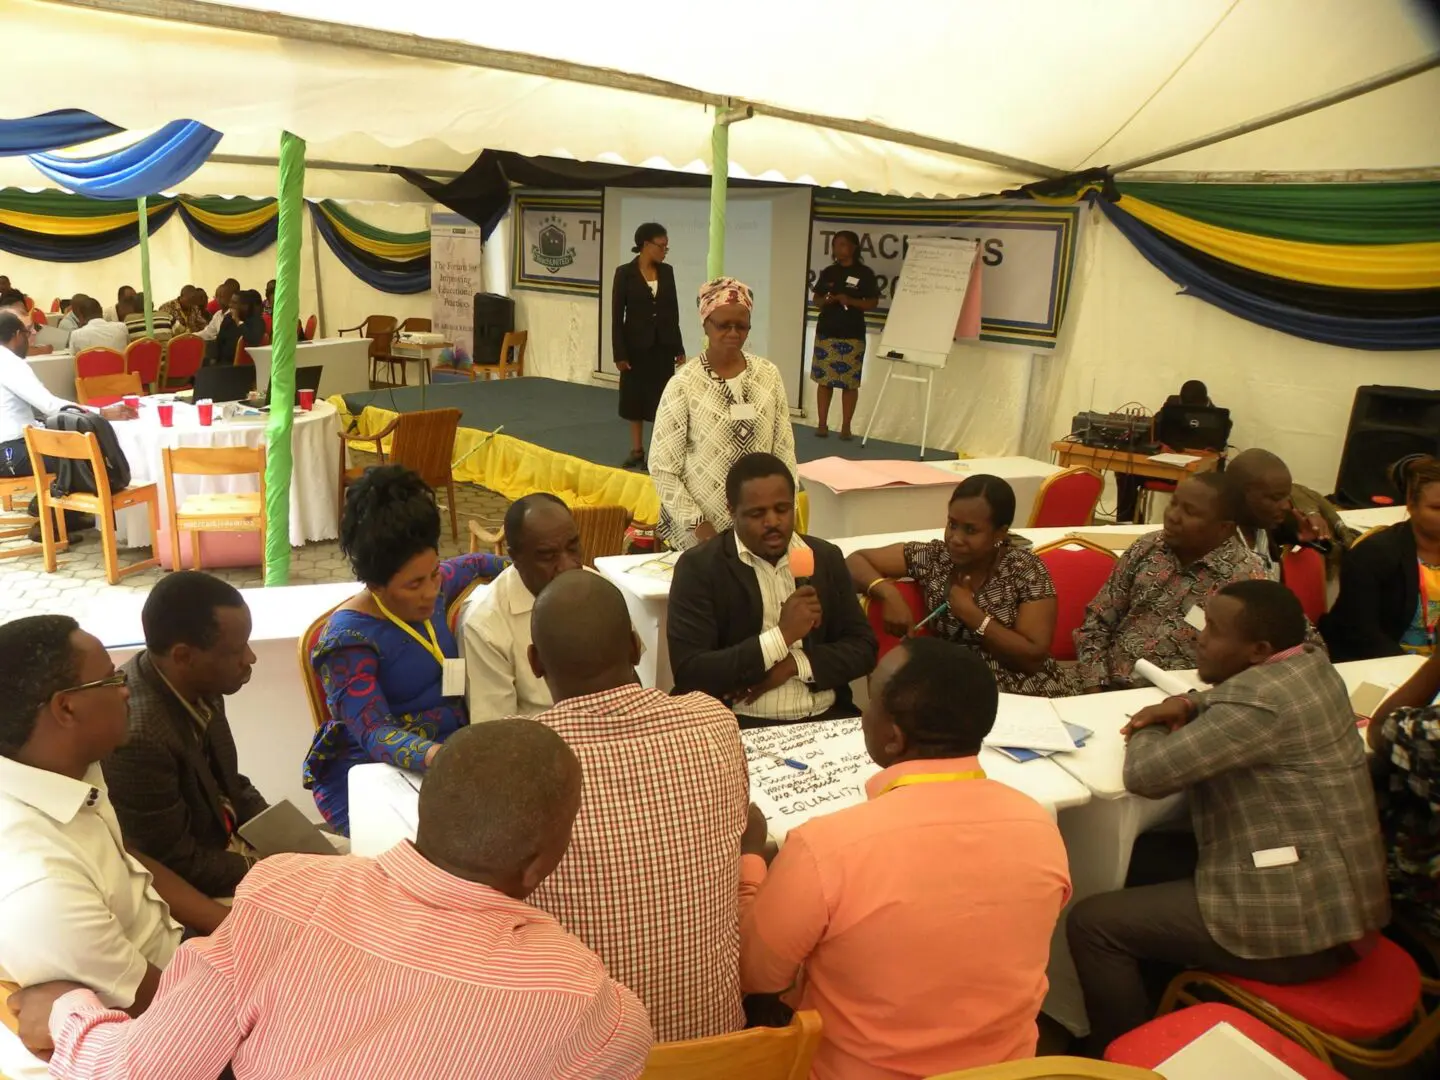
(1000, 596)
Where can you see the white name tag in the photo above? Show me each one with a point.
(743, 411)
(852, 281)
(452, 678)
(1196, 617)
(1275, 856)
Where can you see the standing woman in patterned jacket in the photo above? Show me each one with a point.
(726, 404)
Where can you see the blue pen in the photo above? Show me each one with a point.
(941, 610)
(792, 763)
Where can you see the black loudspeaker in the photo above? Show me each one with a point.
(1386, 423)
(494, 318)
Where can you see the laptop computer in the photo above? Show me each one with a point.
(306, 378)
(1193, 427)
(224, 382)
(52, 336)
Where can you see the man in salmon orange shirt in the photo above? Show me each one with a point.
(919, 923)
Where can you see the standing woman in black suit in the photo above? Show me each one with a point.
(645, 333)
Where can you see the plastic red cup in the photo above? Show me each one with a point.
(307, 399)
(131, 401)
(205, 409)
(166, 413)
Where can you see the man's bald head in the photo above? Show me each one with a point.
(1266, 482)
(583, 640)
(499, 803)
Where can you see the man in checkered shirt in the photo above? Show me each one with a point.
(651, 880)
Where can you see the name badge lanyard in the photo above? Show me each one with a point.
(933, 778)
(744, 429)
(432, 646)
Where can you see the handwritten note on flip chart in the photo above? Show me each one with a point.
(926, 309)
(837, 766)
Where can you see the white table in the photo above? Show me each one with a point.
(314, 495)
(346, 362)
(1373, 516)
(57, 371)
(269, 716)
(850, 513)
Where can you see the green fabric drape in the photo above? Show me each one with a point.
(279, 462)
(1379, 213)
(371, 231)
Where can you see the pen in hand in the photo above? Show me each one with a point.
(941, 610)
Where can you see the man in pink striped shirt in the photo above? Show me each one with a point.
(425, 962)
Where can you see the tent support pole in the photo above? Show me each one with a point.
(319, 292)
(719, 179)
(1335, 97)
(279, 457)
(145, 272)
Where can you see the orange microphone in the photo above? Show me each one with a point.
(802, 566)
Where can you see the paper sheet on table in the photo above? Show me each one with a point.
(837, 768)
(1180, 460)
(841, 474)
(1171, 682)
(1029, 723)
(1116, 540)
(662, 566)
(1224, 1051)
(401, 791)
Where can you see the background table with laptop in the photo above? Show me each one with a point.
(345, 361)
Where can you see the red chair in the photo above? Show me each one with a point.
(38, 317)
(269, 321)
(1067, 498)
(1151, 1044)
(1374, 997)
(98, 360)
(913, 596)
(314, 688)
(310, 325)
(242, 355)
(143, 358)
(1303, 572)
(55, 305)
(1079, 569)
(183, 357)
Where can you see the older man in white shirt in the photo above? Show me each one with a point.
(543, 541)
(94, 331)
(75, 905)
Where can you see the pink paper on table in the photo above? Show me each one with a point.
(841, 474)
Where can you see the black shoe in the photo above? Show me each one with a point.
(636, 460)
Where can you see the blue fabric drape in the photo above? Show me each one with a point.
(398, 278)
(51, 131)
(1175, 261)
(156, 163)
(77, 249)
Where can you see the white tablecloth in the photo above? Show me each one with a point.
(850, 513)
(346, 362)
(1372, 516)
(314, 490)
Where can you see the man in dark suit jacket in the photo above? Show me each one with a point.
(776, 646)
(176, 783)
(1287, 877)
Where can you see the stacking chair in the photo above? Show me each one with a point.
(314, 689)
(14, 525)
(1067, 499)
(512, 357)
(184, 356)
(97, 360)
(1079, 570)
(1151, 1044)
(216, 511)
(1303, 572)
(913, 595)
(143, 358)
(602, 532)
(242, 355)
(308, 334)
(380, 329)
(83, 446)
(102, 390)
(757, 1054)
(423, 442)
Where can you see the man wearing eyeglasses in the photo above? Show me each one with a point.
(74, 903)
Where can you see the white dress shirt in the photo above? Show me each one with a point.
(496, 645)
(110, 335)
(211, 332)
(21, 395)
(794, 699)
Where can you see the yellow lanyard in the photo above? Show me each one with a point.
(432, 646)
(932, 778)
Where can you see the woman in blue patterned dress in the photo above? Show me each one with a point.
(382, 657)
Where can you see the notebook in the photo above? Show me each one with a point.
(282, 828)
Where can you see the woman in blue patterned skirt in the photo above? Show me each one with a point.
(844, 291)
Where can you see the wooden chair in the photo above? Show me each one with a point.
(143, 358)
(212, 512)
(184, 356)
(1079, 569)
(1053, 1068)
(756, 1054)
(423, 442)
(13, 525)
(98, 360)
(83, 446)
(457, 606)
(1067, 499)
(314, 689)
(416, 325)
(380, 329)
(102, 390)
(602, 530)
(512, 357)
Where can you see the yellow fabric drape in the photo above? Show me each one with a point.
(380, 248)
(1343, 266)
(51, 225)
(232, 224)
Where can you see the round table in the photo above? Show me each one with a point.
(313, 483)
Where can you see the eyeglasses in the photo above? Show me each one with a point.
(732, 327)
(663, 245)
(120, 678)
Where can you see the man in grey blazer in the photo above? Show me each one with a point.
(176, 783)
(1286, 873)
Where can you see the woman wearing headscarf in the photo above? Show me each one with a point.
(645, 332)
(844, 291)
(723, 405)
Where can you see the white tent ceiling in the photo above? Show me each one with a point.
(1063, 84)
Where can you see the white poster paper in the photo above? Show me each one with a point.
(836, 768)
(456, 276)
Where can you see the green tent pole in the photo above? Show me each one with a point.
(145, 267)
(719, 175)
(279, 460)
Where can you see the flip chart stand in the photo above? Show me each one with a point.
(928, 369)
